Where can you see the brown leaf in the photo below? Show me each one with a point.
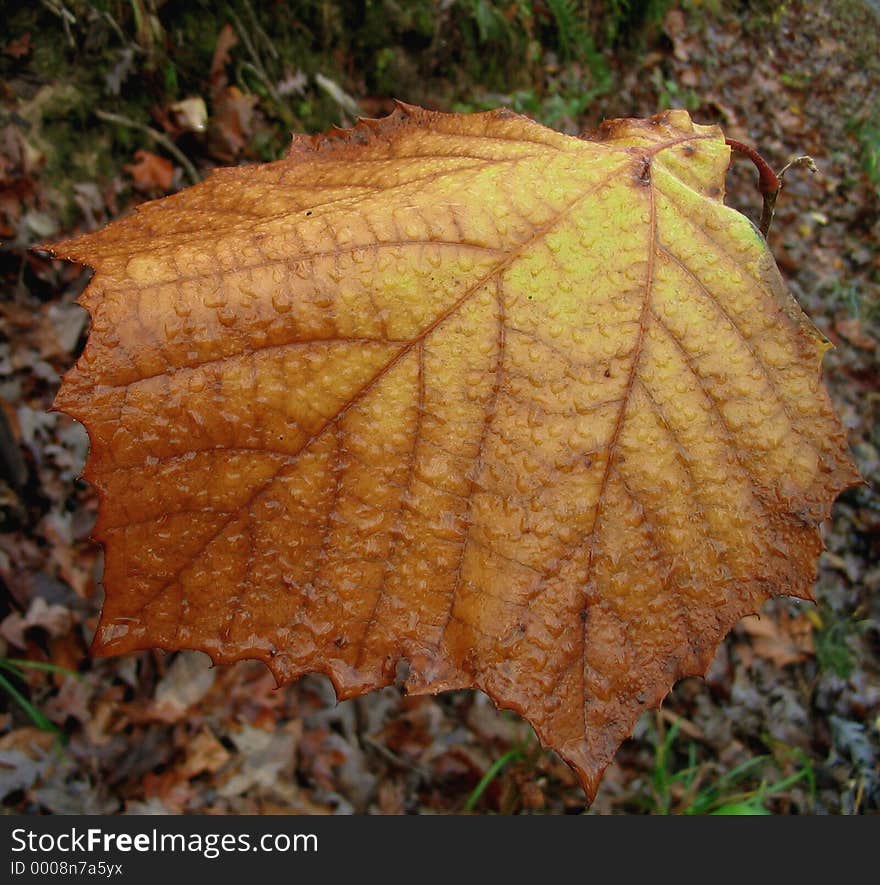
(263, 757)
(151, 172)
(204, 753)
(782, 640)
(187, 681)
(675, 26)
(525, 412)
(20, 47)
(54, 619)
(226, 40)
(856, 332)
(231, 122)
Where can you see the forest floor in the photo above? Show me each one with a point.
(103, 106)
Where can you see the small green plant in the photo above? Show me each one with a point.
(492, 772)
(832, 635)
(575, 41)
(626, 22)
(527, 752)
(671, 95)
(846, 294)
(867, 132)
(795, 79)
(689, 790)
(16, 668)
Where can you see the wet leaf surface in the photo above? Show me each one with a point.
(518, 411)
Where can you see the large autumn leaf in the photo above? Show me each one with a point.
(525, 412)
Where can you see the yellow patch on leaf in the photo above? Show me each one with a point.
(530, 413)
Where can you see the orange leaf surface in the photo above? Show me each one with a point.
(529, 413)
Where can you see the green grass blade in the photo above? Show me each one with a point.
(5, 664)
(749, 808)
(491, 773)
(35, 715)
(13, 663)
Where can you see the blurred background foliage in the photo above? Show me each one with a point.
(296, 65)
(229, 81)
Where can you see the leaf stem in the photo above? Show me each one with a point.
(769, 184)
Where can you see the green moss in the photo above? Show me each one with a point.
(547, 59)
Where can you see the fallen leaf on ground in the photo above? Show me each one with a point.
(20, 47)
(856, 333)
(54, 619)
(262, 757)
(226, 41)
(187, 681)
(204, 753)
(231, 122)
(781, 639)
(151, 172)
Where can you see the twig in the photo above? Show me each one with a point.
(115, 27)
(158, 137)
(256, 65)
(339, 95)
(798, 163)
(258, 30)
(56, 7)
(685, 726)
(394, 759)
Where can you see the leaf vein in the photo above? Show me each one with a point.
(397, 529)
(384, 369)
